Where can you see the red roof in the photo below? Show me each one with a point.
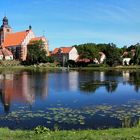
(36, 39)
(86, 60)
(15, 39)
(63, 50)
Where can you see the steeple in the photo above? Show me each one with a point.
(5, 23)
(4, 30)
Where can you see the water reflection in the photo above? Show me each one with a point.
(135, 80)
(109, 80)
(92, 86)
(65, 81)
(61, 97)
(22, 87)
(27, 87)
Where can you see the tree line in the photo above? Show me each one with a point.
(114, 54)
(37, 54)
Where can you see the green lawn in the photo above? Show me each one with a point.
(111, 134)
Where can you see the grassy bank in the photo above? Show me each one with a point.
(54, 68)
(111, 134)
(16, 65)
(108, 68)
(34, 68)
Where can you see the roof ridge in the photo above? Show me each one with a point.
(18, 32)
(16, 38)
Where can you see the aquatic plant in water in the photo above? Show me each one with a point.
(128, 114)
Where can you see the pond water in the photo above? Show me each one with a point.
(69, 100)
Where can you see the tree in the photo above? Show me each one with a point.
(36, 52)
(89, 50)
(137, 55)
(113, 56)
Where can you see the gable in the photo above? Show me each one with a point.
(28, 38)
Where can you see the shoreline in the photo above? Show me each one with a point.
(48, 68)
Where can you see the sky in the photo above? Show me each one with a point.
(72, 22)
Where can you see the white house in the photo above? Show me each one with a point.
(102, 57)
(64, 54)
(126, 61)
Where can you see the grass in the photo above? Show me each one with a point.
(34, 68)
(110, 134)
(52, 67)
(108, 68)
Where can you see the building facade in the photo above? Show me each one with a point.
(64, 54)
(17, 42)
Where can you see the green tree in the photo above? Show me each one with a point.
(113, 55)
(137, 55)
(36, 52)
(89, 50)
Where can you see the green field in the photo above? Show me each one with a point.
(110, 134)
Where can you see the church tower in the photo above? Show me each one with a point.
(4, 30)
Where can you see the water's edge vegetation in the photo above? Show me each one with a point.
(53, 68)
(110, 134)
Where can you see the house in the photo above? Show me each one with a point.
(127, 56)
(64, 54)
(17, 42)
(102, 57)
(95, 60)
(126, 61)
(5, 54)
(83, 60)
(1, 55)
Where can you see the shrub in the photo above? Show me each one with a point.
(41, 130)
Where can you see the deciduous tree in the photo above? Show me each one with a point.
(36, 52)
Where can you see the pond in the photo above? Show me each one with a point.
(69, 99)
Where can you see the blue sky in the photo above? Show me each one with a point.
(70, 22)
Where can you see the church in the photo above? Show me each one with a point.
(13, 45)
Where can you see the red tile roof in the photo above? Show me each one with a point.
(86, 60)
(15, 39)
(63, 49)
(36, 39)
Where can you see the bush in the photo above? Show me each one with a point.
(41, 130)
(71, 63)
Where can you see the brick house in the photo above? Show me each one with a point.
(17, 42)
